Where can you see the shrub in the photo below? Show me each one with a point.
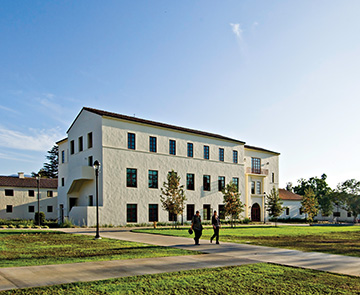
(67, 223)
(42, 218)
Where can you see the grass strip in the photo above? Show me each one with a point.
(27, 248)
(343, 240)
(247, 279)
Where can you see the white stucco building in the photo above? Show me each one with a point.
(19, 197)
(135, 157)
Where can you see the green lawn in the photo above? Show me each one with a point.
(344, 240)
(25, 248)
(247, 279)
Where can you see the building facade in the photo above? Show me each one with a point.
(136, 155)
(19, 197)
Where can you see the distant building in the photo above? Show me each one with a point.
(18, 197)
(136, 155)
(291, 204)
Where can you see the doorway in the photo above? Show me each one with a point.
(255, 212)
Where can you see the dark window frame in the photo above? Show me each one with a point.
(235, 180)
(172, 147)
(153, 179)
(89, 140)
(51, 209)
(235, 157)
(221, 155)
(153, 144)
(153, 212)
(131, 213)
(31, 193)
(207, 183)
(31, 209)
(131, 180)
(190, 149)
(72, 147)
(9, 208)
(256, 165)
(190, 211)
(9, 192)
(131, 141)
(62, 157)
(190, 181)
(49, 194)
(206, 152)
(221, 183)
(81, 144)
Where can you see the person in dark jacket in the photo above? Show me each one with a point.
(215, 220)
(197, 227)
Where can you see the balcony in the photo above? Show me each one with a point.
(263, 172)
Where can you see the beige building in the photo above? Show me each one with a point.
(19, 197)
(136, 156)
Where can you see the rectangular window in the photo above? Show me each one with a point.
(49, 209)
(206, 152)
(190, 211)
(31, 193)
(190, 181)
(153, 212)
(253, 187)
(31, 209)
(9, 208)
(131, 213)
(206, 183)
(9, 192)
(152, 145)
(258, 187)
(221, 183)
(72, 147)
(235, 181)
(336, 214)
(172, 217)
(206, 212)
(90, 161)
(221, 211)
(172, 147)
(153, 179)
(91, 201)
(62, 181)
(49, 194)
(131, 179)
(256, 165)
(349, 214)
(300, 211)
(221, 154)
(287, 211)
(131, 141)
(190, 150)
(62, 157)
(81, 147)
(235, 157)
(273, 177)
(90, 140)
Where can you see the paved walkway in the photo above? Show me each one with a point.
(225, 254)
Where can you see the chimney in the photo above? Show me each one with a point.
(21, 174)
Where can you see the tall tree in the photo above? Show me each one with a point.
(309, 204)
(50, 169)
(274, 204)
(172, 196)
(233, 206)
(347, 194)
(321, 189)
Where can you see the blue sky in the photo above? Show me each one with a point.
(282, 75)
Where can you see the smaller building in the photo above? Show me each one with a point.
(291, 204)
(19, 197)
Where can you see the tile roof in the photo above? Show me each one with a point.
(157, 124)
(287, 195)
(260, 149)
(28, 182)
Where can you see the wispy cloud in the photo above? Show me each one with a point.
(8, 109)
(236, 28)
(33, 140)
(21, 157)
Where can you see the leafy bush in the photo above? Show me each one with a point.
(67, 223)
(42, 218)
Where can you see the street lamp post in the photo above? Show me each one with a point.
(96, 166)
(38, 197)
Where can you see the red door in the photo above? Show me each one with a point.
(255, 212)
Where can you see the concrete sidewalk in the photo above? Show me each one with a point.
(225, 254)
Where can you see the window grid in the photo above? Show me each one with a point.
(235, 157)
(153, 212)
(206, 183)
(131, 141)
(206, 152)
(131, 213)
(62, 157)
(190, 150)
(152, 145)
(258, 187)
(235, 181)
(221, 183)
(131, 178)
(153, 179)
(256, 165)
(190, 181)
(172, 147)
(221, 154)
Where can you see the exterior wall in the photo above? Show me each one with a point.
(110, 139)
(333, 218)
(294, 209)
(21, 202)
(269, 165)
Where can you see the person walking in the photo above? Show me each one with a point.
(197, 227)
(215, 220)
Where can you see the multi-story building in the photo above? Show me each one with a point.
(136, 155)
(19, 197)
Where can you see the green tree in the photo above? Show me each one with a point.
(50, 169)
(233, 206)
(321, 189)
(172, 196)
(347, 194)
(274, 204)
(309, 204)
